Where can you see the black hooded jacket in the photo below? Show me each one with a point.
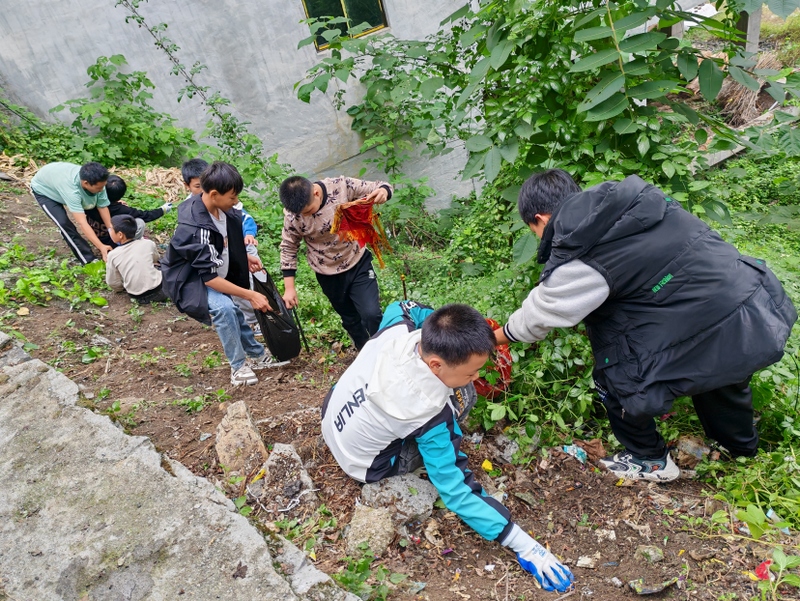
(686, 312)
(194, 255)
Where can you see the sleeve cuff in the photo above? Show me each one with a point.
(289, 273)
(388, 189)
(207, 276)
(509, 335)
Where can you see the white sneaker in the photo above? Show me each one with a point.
(625, 465)
(265, 361)
(243, 376)
(256, 330)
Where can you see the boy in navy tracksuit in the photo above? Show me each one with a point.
(206, 264)
(400, 393)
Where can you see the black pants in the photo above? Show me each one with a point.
(156, 295)
(354, 296)
(726, 415)
(77, 243)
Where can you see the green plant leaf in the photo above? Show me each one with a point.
(701, 136)
(525, 249)
(606, 88)
(744, 78)
(642, 42)
(474, 164)
(608, 108)
(593, 33)
(782, 8)
(710, 79)
(492, 164)
(510, 151)
(626, 126)
(634, 20)
(668, 168)
(511, 194)
(461, 12)
(500, 53)
(687, 65)
(479, 143)
(652, 89)
(480, 70)
(429, 87)
(593, 61)
(99, 301)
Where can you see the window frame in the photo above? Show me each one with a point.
(344, 10)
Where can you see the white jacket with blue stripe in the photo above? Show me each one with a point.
(388, 396)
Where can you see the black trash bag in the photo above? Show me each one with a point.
(279, 329)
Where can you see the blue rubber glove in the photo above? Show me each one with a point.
(534, 558)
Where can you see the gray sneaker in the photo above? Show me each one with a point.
(265, 361)
(625, 465)
(243, 376)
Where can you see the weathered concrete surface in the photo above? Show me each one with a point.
(88, 513)
(251, 52)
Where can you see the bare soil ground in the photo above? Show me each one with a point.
(163, 376)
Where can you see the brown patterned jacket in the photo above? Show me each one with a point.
(326, 254)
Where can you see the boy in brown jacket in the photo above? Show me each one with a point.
(344, 269)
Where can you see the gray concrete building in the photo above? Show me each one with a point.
(251, 52)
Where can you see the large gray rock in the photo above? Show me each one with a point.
(239, 446)
(370, 525)
(409, 498)
(89, 513)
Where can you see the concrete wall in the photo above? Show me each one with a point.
(251, 52)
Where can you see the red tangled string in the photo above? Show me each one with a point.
(501, 366)
(355, 221)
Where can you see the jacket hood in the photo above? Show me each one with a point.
(606, 212)
(402, 385)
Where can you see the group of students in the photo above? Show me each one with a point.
(670, 310)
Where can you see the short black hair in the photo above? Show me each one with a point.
(115, 188)
(544, 192)
(125, 225)
(295, 193)
(456, 333)
(193, 168)
(222, 177)
(93, 173)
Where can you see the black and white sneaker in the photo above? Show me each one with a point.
(625, 465)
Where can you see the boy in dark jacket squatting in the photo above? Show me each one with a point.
(206, 264)
(670, 308)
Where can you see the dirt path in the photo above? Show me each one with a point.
(163, 376)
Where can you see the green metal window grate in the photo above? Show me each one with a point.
(356, 11)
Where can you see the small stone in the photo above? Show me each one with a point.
(239, 445)
(588, 561)
(603, 534)
(408, 497)
(98, 340)
(617, 582)
(370, 525)
(649, 553)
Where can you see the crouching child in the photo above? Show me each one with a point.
(131, 266)
(206, 265)
(399, 399)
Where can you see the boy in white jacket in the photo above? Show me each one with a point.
(399, 392)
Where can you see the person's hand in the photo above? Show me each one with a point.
(104, 250)
(254, 264)
(166, 207)
(259, 301)
(535, 559)
(379, 196)
(500, 337)
(551, 573)
(290, 298)
(250, 239)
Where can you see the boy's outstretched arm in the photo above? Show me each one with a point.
(439, 444)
